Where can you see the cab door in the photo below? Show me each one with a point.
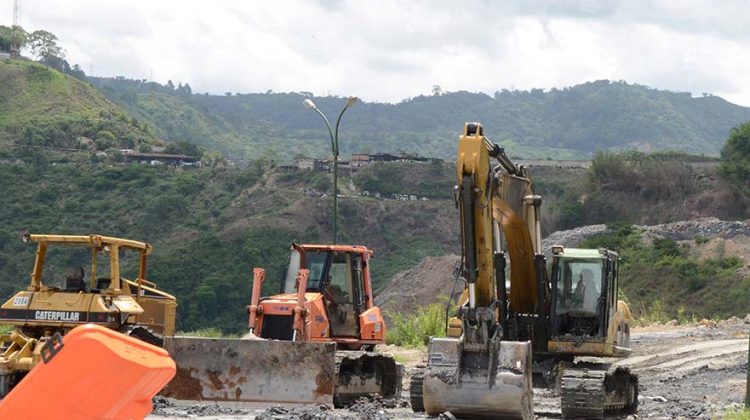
(342, 295)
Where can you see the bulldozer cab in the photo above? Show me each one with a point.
(584, 292)
(338, 275)
(92, 267)
(101, 273)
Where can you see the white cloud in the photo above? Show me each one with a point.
(388, 50)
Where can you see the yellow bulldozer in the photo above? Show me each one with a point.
(537, 325)
(45, 312)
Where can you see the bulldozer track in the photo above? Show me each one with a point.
(593, 390)
(361, 373)
(415, 389)
(143, 333)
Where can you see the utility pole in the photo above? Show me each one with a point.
(335, 151)
(16, 12)
(15, 48)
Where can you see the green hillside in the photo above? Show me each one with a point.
(43, 107)
(560, 123)
(209, 227)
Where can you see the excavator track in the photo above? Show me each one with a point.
(596, 390)
(361, 373)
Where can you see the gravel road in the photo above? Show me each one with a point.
(685, 372)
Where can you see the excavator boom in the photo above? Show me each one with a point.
(479, 374)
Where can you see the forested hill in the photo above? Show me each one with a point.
(561, 123)
(41, 106)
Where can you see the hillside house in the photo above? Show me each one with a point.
(161, 159)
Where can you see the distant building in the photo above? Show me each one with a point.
(306, 163)
(287, 166)
(161, 159)
(359, 160)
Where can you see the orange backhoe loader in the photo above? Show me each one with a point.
(325, 297)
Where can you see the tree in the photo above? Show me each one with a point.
(11, 36)
(437, 90)
(105, 140)
(44, 45)
(183, 148)
(170, 85)
(735, 156)
(77, 72)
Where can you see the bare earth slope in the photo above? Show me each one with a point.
(707, 238)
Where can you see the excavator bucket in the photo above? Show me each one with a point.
(252, 373)
(479, 385)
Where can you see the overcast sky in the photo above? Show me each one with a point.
(388, 50)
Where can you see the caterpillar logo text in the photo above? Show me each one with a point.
(57, 316)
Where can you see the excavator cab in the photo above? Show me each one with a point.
(582, 292)
(585, 310)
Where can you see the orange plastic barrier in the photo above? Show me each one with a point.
(96, 373)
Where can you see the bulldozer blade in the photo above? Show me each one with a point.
(478, 387)
(252, 373)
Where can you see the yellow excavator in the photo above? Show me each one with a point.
(508, 335)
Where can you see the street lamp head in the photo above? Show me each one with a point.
(351, 101)
(309, 104)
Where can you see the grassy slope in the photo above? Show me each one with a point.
(209, 228)
(33, 95)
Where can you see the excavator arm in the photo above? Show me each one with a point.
(481, 374)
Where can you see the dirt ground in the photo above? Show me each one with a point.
(685, 372)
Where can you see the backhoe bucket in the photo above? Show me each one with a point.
(479, 387)
(252, 373)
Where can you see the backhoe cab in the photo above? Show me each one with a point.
(326, 296)
(336, 300)
(293, 347)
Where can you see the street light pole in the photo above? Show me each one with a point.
(334, 150)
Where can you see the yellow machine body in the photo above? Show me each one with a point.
(105, 299)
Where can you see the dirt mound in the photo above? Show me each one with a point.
(373, 407)
(707, 227)
(571, 238)
(303, 413)
(433, 277)
(164, 407)
(425, 283)
(707, 238)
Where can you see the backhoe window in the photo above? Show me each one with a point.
(315, 262)
(579, 286)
